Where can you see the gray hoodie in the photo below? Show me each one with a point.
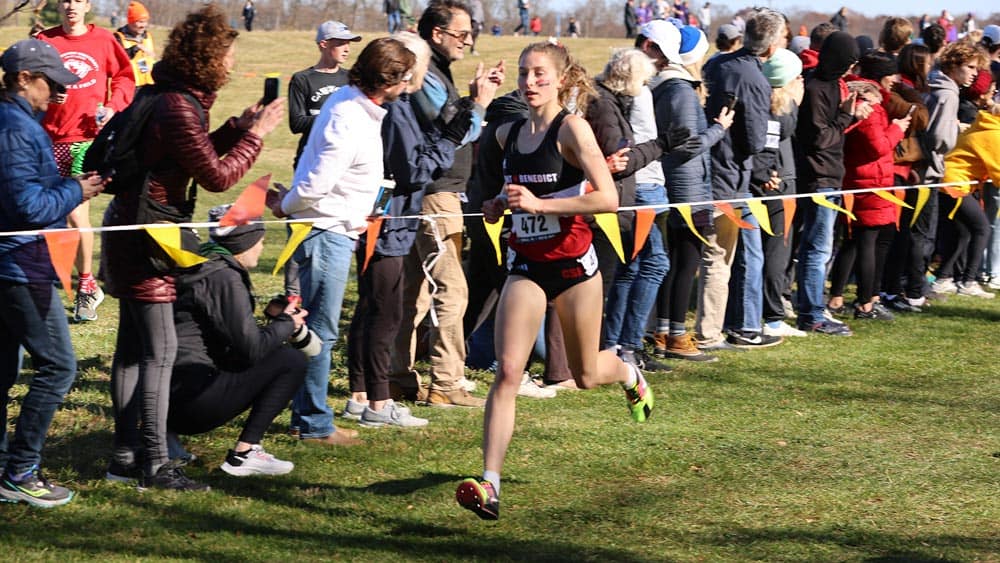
(942, 127)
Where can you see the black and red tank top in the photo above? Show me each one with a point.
(546, 174)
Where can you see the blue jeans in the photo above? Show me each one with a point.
(746, 284)
(815, 250)
(324, 260)
(522, 13)
(395, 21)
(637, 284)
(33, 316)
(991, 196)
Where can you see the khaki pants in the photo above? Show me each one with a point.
(713, 279)
(447, 340)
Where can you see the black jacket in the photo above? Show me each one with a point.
(213, 316)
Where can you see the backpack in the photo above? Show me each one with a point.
(115, 151)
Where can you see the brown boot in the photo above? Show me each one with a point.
(660, 344)
(339, 437)
(683, 348)
(453, 398)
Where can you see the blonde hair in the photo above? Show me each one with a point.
(416, 45)
(576, 83)
(782, 102)
(627, 71)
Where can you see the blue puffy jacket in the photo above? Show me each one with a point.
(687, 171)
(32, 194)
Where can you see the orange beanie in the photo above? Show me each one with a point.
(136, 12)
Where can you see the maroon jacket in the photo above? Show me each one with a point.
(869, 151)
(177, 147)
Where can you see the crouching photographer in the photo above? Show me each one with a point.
(227, 363)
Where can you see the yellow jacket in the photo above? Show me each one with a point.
(976, 156)
(142, 64)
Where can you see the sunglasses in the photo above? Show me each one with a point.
(460, 35)
(54, 87)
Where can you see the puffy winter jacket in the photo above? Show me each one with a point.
(177, 148)
(32, 194)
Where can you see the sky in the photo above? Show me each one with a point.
(915, 8)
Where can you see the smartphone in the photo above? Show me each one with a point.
(384, 198)
(731, 100)
(912, 107)
(623, 143)
(272, 84)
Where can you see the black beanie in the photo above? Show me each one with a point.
(837, 55)
(236, 239)
(877, 65)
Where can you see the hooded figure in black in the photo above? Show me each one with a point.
(824, 116)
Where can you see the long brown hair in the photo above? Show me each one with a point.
(575, 80)
(197, 49)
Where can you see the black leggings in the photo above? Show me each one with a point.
(867, 249)
(201, 401)
(962, 258)
(777, 255)
(377, 319)
(674, 298)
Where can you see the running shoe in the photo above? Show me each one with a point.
(827, 328)
(640, 398)
(529, 388)
(255, 461)
(172, 478)
(122, 473)
(944, 286)
(353, 410)
(753, 339)
(85, 305)
(973, 289)
(34, 489)
(878, 313)
(783, 329)
(479, 497)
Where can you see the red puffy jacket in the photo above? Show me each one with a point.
(868, 156)
(177, 148)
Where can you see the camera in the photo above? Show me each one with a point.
(302, 339)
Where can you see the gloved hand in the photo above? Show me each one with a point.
(458, 127)
(679, 139)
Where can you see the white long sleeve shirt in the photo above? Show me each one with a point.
(643, 124)
(340, 170)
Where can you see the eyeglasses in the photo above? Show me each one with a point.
(460, 35)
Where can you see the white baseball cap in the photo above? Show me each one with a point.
(666, 36)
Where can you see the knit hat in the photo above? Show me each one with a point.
(798, 44)
(236, 239)
(877, 65)
(865, 44)
(666, 36)
(980, 86)
(782, 68)
(837, 56)
(694, 45)
(137, 12)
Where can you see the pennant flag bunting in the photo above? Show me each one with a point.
(893, 198)
(608, 222)
(643, 225)
(789, 205)
(759, 210)
(685, 211)
(299, 232)
(62, 251)
(493, 231)
(823, 202)
(249, 206)
(169, 239)
(958, 203)
(923, 194)
(728, 211)
(371, 239)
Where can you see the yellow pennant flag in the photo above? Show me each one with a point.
(923, 194)
(685, 211)
(299, 232)
(759, 210)
(608, 222)
(169, 239)
(891, 197)
(493, 231)
(958, 203)
(821, 201)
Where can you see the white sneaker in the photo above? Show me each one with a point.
(784, 329)
(828, 317)
(531, 389)
(944, 285)
(392, 414)
(994, 284)
(467, 384)
(918, 302)
(353, 410)
(255, 461)
(973, 289)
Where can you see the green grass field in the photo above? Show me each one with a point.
(880, 447)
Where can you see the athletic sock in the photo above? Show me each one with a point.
(773, 324)
(87, 283)
(494, 478)
(662, 325)
(633, 376)
(677, 329)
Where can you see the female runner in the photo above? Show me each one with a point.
(546, 158)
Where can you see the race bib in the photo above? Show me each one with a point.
(534, 228)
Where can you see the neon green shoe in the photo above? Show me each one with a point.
(640, 399)
(479, 497)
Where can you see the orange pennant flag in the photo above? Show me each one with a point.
(728, 211)
(788, 204)
(62, 251)
(849, 205)
(250, 204)
(374, 228)
(643, 225)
